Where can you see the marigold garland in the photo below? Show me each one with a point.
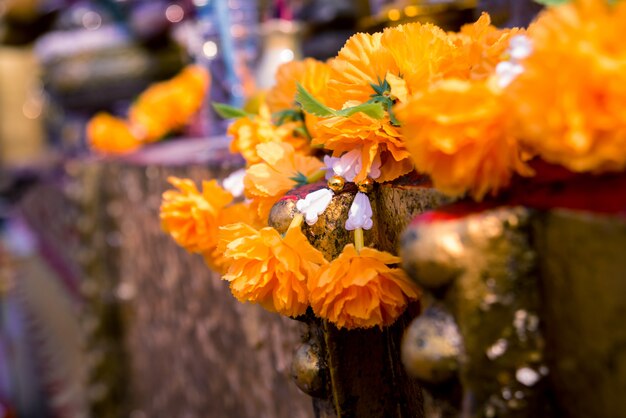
(162, 108)
(466, 108)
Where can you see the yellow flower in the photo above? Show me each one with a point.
(250, 131)
(192, 217)
(169, 105)
(107, 134)
(457, 132)
(266, 182)
(481, 46)
(360, 290)
(270, 270)
(375, 138)
(569, 101)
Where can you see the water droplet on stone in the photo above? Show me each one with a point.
(527, 376)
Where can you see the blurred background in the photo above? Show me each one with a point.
(76, 338)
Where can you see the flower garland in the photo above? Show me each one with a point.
(470, 109)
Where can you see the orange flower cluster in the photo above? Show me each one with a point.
(360, 290)
(193, 218)
(569, 100)
(391, 67)
(458, 133)
(267, 181)
(162, 108)
(268, 269)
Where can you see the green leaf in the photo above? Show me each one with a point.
(300, 179)
(288, 115)
(311, 105)
(373, 110)
(229, 112)
(302, 132)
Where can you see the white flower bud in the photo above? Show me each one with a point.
(314, 204)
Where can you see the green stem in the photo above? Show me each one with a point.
(358, 240)
(296, 221)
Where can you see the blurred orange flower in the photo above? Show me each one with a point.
(268, 269)
(250, 131)
(169, 105)
(457, 132)
(569, 101)
(480, 47)
(266, 182)
(375, 138)
(312, 74)
(192, 217)
(107, 134)
(360, 290)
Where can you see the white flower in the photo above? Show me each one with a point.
(360, 214)
(314, 204)
(234, 182)
(375, 168)
(348, 165)
(520, 47)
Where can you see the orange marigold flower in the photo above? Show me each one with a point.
(268, 269)
(169, 105)
(457, 132)
(360, 290)
(250, 131)
(421, 52)
(481, 46)
(569, 101)
(239, 212)
(362, 61)
(375, 138)
(192, 217)
(266, 182)
(311, 74)
(107, 134)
